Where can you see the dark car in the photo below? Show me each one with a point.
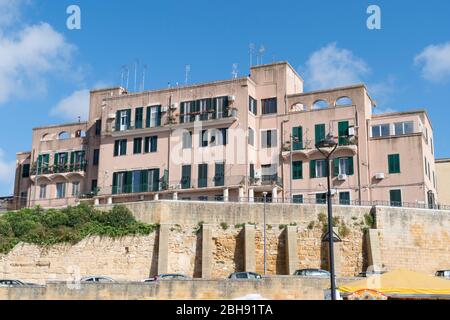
(11, 283)
(244, 275)
(443, 274)
(167, 276)
(312, 273)
(370, 273)
(96, 279)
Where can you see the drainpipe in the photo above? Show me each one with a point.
(358, 157)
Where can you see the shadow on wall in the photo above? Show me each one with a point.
(198, 255)
(238, 258)
(281, 266)
(155, 255)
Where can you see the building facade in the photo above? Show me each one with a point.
(231, 140)
(443, 178)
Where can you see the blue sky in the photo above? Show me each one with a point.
(49, 69)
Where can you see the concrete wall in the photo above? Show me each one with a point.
(212, 240)
(273, 288)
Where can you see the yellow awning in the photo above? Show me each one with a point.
(401, 282)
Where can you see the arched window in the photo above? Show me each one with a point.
(343, 101)
(63, 135)
(46, 137)
(320, 104)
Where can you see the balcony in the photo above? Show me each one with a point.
(266, 180)
(58, 169)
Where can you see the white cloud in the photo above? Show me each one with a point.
(331, 66)
(29, 56)
(77, 104)
(7, 172)
(10, 12)
(435, 62)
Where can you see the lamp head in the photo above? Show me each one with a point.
(329, 142)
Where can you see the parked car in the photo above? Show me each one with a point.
(167, 276)
(244, 275)
(443, 274)
(312, 273)
(96, 279)
(11, 283)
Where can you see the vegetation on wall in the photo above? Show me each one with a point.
(68, 225)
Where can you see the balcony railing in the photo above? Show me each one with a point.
(60, 168)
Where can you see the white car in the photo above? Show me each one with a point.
(96, 279)
(11, 283)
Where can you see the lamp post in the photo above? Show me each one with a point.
(265, 243)
(326, 148)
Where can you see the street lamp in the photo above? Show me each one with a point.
(326, 148)
(265, 243)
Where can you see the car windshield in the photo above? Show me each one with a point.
(241, 275)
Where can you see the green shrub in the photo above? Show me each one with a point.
(224, 225)
(69, 225)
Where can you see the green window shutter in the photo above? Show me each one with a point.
(114, 185)
(158, 121)
(123, 148)
(312, 169)
(155, 180)
(147, 118)
(144, 181)
(297, 170)
(117, 120)
(343, 132)
(181, 112)
(336, 167)
(128, 181)
(116, 150)
(138, 118)
(351, 170)
(319, 132)
(146, 145)
(297, 134)
(394, 163)
(395, 198)
(154, 144)
(128, 118)
(214, 108)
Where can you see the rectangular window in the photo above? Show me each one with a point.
(269, 138)
(394, 163)
(269, 106)
(432, 146)
(202, 175)
(151, 144)
(426, 166)
(319, 131)
(203, 139)
(401, 128)
(343, 166)
(151, 178)
(297, 138)
(96, 157)
(98, 127)
(120, 148)
(138, 118)
(343, 133)
(395, 197)
(137, 183)
(42, 191)
(297, 198)
(119, 182)
(381, 130)
(251, 136)
(43, 163)
(252, 172)
(153, 116)
(297, 170)
(203, 106)
(321, 198)
(186, 177)
(187, 140)
(220, 107)
(219, 178)
(137, 146)
(26, 170)
(344, 198)
(123, 120)
(75, 189)
(185, 111)
(318, 168)
(269, 173)
(252, 105)
(60, 162)
(60, 190)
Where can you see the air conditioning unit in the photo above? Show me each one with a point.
(342, 177)
(258, 174)
(231, 98)
(174, 106)
(351, 131)
(164, 109)
(379, 176)
(175, 186)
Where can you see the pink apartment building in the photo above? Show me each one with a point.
(231, 141)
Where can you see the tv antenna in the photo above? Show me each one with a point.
(261, 53)
(144, 71)
(136, 63)
(187, 73)
(251, 51)
(235, 71)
